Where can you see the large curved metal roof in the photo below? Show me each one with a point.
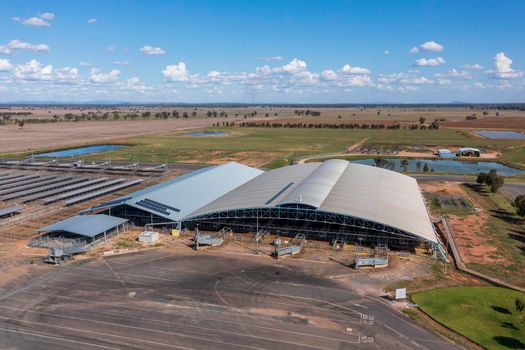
(337, 186)
(179, 197)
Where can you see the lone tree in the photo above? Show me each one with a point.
(422, 120)
(379, 162)
(482, 178)
(519, 202)
(404, 164)
(492, 180)
(425, 168)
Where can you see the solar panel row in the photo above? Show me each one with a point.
(11, 176)
(62, 182)
(9, 211)
(18, 178)
(62, 190)
(33, 184)
(25, 182)
(102, 192)
(78, 192)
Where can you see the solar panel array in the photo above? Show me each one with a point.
(56, 184)
(47, 188)
(103, 192)
(26, 182)
(61, 190)
(31, 185)
(81, 191)
(10, 176)
(156, 206)
(18, 179)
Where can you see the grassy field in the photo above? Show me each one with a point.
(251, 146)
(486, 315)
(279, 146)
(504, 230)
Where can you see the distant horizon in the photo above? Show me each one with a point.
(263, 104)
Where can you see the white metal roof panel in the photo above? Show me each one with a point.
(190, 192)
(315, 188)
(85, 225)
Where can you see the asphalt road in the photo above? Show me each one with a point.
(513, 190)
(199, 300)
(450, 178)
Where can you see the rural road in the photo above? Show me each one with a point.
(328, 155)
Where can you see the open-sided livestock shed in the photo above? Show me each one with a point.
(333, 200)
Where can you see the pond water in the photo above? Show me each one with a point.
(80, 151)
(500, 134)
(205, 133)
(446, 166)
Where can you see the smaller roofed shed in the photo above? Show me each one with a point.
(88, 226)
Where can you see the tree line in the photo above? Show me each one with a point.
(257, 124)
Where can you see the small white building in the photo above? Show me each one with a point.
(149, 237)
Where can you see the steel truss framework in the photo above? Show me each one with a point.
(301, 219)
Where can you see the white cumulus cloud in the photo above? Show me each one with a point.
(474, 66)
(33, 70)
(5, 65)
(36, 72)
(136, 85)
(429, 62)
(348, 69)
(92, 21)
(153, 51)
(454, 73)
(175, 72)
(329, 74)
(429, 46)
(41, 20)
(270, 58)
(48, 16)
(103, 78)
(120, 63)
(36, 22)
(15, 45)
(293, 67)
(504, 68)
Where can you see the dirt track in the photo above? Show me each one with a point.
(38, 136)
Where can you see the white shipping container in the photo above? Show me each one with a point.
(149, 237)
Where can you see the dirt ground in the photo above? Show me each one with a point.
(18, 262)
(472, 247)
(38, 136)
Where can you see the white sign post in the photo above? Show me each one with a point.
(401, 293)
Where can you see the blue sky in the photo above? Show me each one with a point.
(262, 51)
